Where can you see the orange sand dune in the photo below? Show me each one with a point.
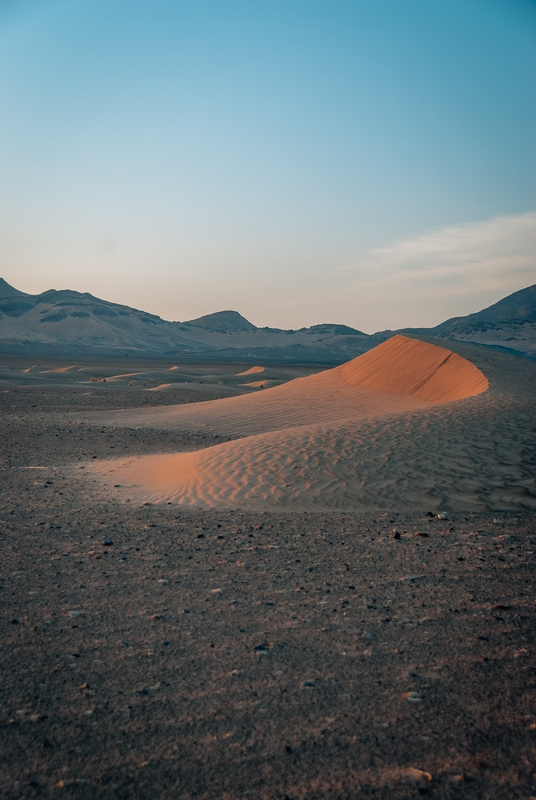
(57, 370)
(414, 451)
(411, 367)
(398, 375)
(157, 388)
(252, 371)
(124, 375)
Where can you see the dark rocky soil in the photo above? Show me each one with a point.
(149, 652)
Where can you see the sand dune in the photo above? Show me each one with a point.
(57, 370)
(124, 375)
(252, 371)
(398, 375)
(392, 451)
(411, 367)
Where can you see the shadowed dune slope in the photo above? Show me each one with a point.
(398, 375)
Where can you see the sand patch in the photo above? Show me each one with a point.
(57, 370)
(124, 375)
(260, 384)
(251, 371)
(158, 388)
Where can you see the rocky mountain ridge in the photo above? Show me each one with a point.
(64, 322)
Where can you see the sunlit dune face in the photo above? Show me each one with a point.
(410, 367)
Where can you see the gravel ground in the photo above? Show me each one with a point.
(149, 652)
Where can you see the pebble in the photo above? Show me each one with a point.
(396, 534)
(107, 542)
(71, 782)
(261, 649)
(309, 684)
(75, 613)
(413, 697)
(417, 776)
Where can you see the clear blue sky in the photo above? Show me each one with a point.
(370, 162)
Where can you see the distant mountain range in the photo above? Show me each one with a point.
(71, 323)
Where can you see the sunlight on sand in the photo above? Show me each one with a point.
(381, 431)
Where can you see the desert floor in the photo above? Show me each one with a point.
(153, 651)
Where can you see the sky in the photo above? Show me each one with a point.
(366, 162)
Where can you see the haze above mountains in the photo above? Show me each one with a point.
(66, 322)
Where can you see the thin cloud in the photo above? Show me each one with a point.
(501, 251)
(449, 272)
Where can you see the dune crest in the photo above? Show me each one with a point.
(411, 367)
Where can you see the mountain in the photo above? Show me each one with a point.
(223, 322)
(71, 323)
(509, 323)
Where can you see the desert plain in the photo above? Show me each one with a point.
(221, 581)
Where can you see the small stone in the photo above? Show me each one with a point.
(261, 649)
(417, 776)
(107, 542)
(442, 515)
(309, 684)
(75, 613)
(396, 534)
(71, 782)
(412, 697)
